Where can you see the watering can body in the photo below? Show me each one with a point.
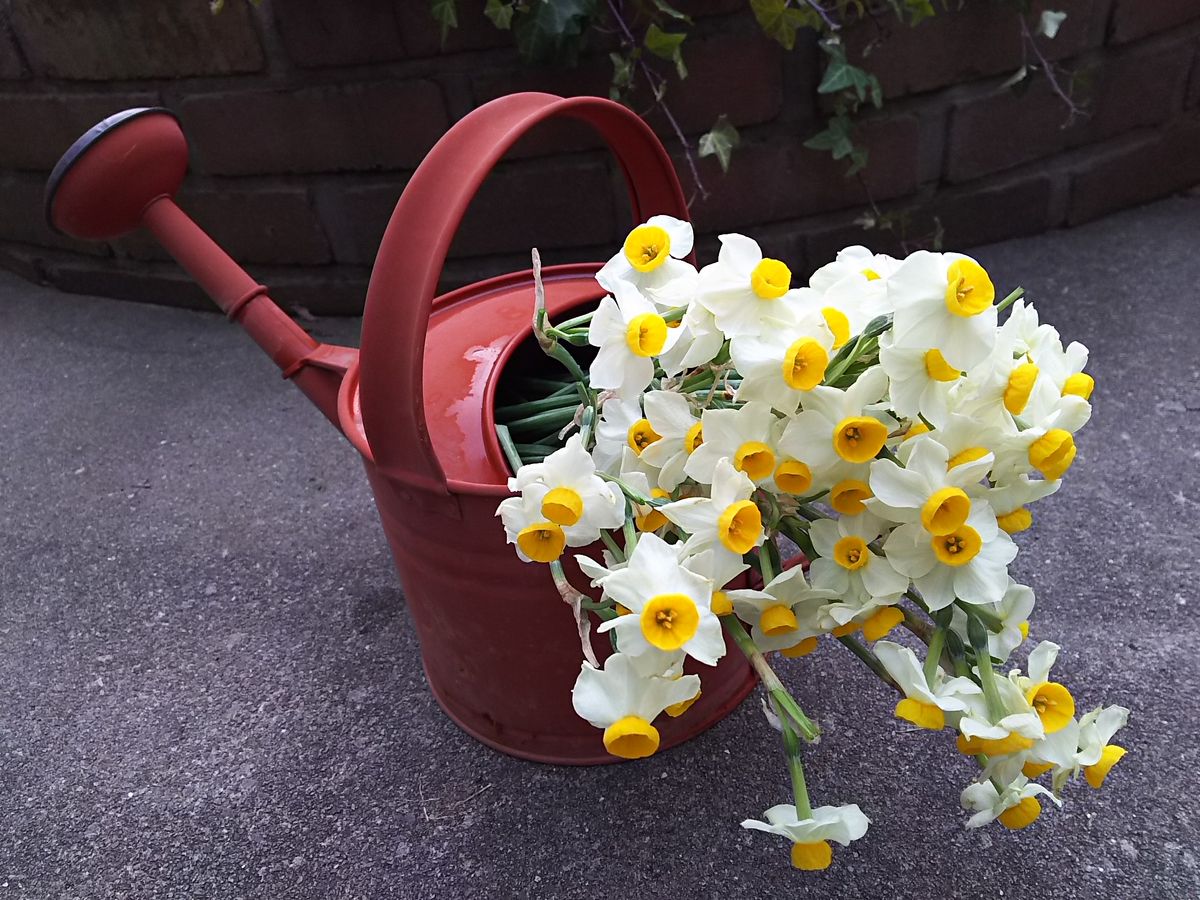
(500, 649)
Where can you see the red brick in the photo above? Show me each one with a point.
(1133, 19)
(318, 33)
(12, 64)
(38, 128)
(1001, 130)
(355, 216)
(22, 216)
(735, 75)
(993, 211)
(1135, 171)
(253, 225)
(422, 36)
(380, 125)
(1193, 89)
(954, 47)
(539, 204)
(783, 180)
(90, 41)
(1134, 89)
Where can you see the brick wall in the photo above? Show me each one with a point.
(306, 117)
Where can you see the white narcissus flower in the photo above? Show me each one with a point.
(1017, 729)
(679, 434)
(1081, 745)
(810, 837)
(536, 538)
(577, 499)
(624, 702)
(847, 566)
(745, 436)
(670, 605)
(923, 705)
(969, 562)
(1010, 499)
(921, 380)
(718, 569)
(1007, 384)
(629, 332)
(848, 305)
(1048, 447)
(782, 365)
(837, 434)
(746, 293)
(1016, 807)
(924, 489)
(785, 614)
(946, 301)
(1013, 612)
(1051, 701)
(727, 520)
(620, 425)
(698, 341)
(855, 260)
(652, 258)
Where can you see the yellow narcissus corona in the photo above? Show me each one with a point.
(652, 258)
(924, 705)
(630, 332)
(727, 521)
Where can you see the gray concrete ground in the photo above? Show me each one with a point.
(209, 686)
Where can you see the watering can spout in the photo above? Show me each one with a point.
(123, 174)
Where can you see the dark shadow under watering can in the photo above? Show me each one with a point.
(499, 647)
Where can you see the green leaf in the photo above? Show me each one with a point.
(720, 141)
(1050, 22)
(666, 45)
(780, 21)
(500, 13)
(553, 31)
(919, 11)
(622, 75)
(666, 8)
(445, 13)
(842, 75)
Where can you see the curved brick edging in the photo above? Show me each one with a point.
(305, 118)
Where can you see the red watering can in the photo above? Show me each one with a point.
(499, 648)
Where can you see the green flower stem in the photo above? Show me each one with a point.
(989, 618)
(631, 537)
(1010, 300)
(916, 625)
(539, 422)
(517, 410)
(547, 386)
(613, 547)
(535, 452)
(871, 660)
(936, 643)
(977, 632)
(635, 496)
(789, 710)
(765, 566)
(578, 321)
(957, 654)
(796, 767)
(798, 534)
(509, 448)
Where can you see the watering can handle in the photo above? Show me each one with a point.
(414, 247)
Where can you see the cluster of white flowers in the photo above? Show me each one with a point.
(884, 420)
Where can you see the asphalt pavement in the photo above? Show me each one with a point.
(210, 687)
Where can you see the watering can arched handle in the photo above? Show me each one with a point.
(414, 247)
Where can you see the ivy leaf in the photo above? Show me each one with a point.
(666, 8)
(781, 21)
(445, 13)
(720, 141)
(500, 13)
(553, 31)
(919, 11)
(622, 75)
(666, 45)
(1050, 22)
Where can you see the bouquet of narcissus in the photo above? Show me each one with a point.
(883, 420)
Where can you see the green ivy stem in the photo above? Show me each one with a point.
(790, 711)
(870, 659)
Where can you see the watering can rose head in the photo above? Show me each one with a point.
(883, 419)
